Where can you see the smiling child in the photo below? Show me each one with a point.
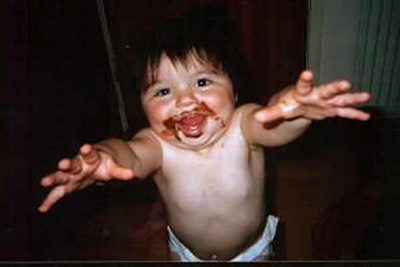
(205, 152)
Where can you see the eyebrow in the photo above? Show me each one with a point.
(213, 71)
(149, 85)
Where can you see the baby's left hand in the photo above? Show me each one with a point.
(305, 100)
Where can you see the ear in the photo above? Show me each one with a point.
(236, 96)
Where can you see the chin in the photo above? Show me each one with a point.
(199, 142)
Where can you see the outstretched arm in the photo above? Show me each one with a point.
(109, 159)
(291, 111)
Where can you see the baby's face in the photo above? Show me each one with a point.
(189, 105)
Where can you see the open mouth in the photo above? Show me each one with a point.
(190, 123)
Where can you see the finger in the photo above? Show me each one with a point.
(333, 88)
(269, 114)
(55, 195)
(319, 114)
(47, 181)
(89, 155)
(122, 173)
(59, 177)
(64, 164)
(70, 166)
(305, 82)
(352, 113)
(350, 99)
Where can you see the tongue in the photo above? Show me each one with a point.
(192, 126)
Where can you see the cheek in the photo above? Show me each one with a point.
(157, 112)
(220, 102)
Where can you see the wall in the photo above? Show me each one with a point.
(358, 40)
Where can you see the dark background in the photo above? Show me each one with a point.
(57, 93)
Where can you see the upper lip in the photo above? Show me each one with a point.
(194, 112)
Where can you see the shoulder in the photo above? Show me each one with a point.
(146, 133)
(243, 113)
(146, 137)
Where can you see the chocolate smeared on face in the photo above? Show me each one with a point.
(170, 127)
(184, 121)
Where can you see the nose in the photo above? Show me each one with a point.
(186, 98)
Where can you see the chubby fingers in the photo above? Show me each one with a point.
(304, 86)
(56, 194)
(332, 89)
(67, 168)
(89, 155)
(344, 104)
(71, 166)
(350, 99)
(54, 178)
(305, 83)
(287, 104)
(352, 113)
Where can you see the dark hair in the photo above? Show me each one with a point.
(207, 32)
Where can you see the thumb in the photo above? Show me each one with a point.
(121, 173)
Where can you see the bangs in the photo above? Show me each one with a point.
(204, 34)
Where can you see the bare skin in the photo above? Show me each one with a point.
(210, 169)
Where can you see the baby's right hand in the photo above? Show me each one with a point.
(73, 174)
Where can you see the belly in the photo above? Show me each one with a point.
(215, 206)
(218, 220)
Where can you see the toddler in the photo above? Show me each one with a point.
(206, 154)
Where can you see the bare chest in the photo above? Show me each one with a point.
(224, 177)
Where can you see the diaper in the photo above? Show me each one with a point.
(261, 248)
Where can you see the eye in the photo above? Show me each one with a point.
(203, 82)
(162, 92)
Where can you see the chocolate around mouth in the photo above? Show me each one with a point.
(189, 122)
